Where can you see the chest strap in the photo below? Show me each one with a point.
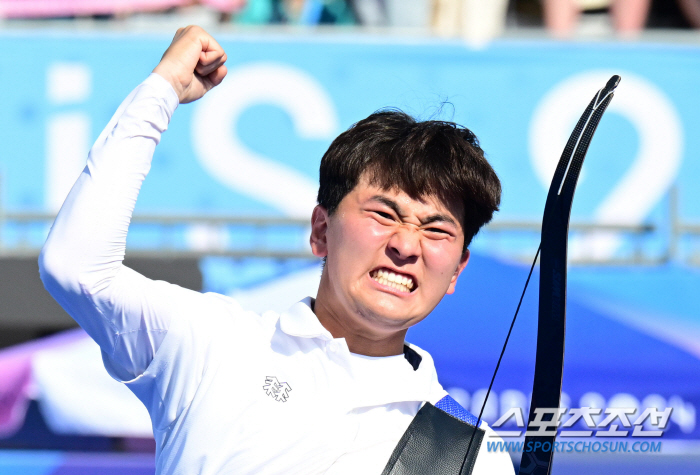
(436, 442)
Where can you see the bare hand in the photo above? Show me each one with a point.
(193, 63)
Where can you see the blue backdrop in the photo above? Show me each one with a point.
(253, 146)
(285, 99)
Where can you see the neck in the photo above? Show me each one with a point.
(360, 339)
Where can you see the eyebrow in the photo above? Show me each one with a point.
(433, 218)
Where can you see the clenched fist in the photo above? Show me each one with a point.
(193, 63)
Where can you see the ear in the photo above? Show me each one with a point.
(462, 264)
(319, 226)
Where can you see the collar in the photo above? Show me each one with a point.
(300, 321)
(376, 380)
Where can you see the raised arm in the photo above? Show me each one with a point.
(81, 266)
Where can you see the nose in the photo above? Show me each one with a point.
(404, 244)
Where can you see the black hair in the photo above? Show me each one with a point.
(426, 158)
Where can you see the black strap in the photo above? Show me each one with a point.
(435, 443)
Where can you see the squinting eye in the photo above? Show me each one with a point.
(384, 215)
(437, 230)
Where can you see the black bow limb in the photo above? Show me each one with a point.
(551, 325)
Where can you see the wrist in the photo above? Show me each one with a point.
(174, 83)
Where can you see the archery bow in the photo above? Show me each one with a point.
(549, 361)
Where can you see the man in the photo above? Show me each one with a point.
(328, 386)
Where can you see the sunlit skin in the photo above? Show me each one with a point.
(371, 229)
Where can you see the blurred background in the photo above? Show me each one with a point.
(227, 203)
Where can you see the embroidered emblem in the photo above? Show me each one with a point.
(275, 389)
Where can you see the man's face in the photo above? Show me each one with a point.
(390, 258)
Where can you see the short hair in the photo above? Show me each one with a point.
(426, 158)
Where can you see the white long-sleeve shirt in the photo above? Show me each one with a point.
(228, 391)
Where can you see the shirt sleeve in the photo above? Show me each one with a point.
(127, 314)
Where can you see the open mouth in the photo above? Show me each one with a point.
(401, 282)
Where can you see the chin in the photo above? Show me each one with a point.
(388, 316)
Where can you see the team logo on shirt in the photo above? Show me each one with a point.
(275, 389)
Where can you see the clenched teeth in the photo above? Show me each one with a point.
(399, 282)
